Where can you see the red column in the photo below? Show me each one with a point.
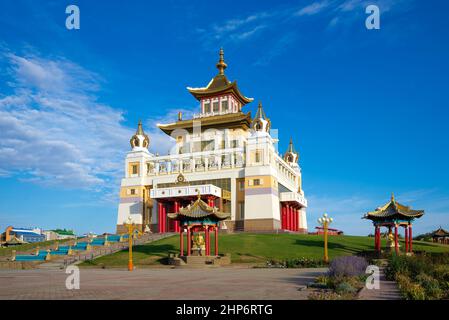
(189, 241)
(297, 220)
(283, 216)
(216, 241)
(292, 222)
(181, 242)
(410, 238)
(293, 218)
(164, 218)
(176, 209)
(206, 235)
(287, 217)
(406, 238)
(396, 247)
(379, 243)
(159, 217)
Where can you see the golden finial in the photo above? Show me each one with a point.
(199, 194)
(221, 65)
(179, 116)
(139, 128)
(392, 196)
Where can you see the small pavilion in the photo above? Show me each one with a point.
(440, 236)
(394, 215)
(198, 217)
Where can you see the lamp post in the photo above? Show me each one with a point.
(131, 228)
(325, 221)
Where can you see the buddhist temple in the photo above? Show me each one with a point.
(394, 215)
(225, 154)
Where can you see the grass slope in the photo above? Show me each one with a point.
(256, 248)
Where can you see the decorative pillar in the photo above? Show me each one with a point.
(177, 224)
(410, 238)
(396, 244)
(298, 212)
(159, 216)
(297, 219)
(287, 218)
(282, 216)
(164, 218)
(406, 238)
(292, 222)
(206, 235)
(189, 241)
(375, 237)
(216, 240)
(379, 239)
(181, 242)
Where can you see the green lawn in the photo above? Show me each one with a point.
(256, 248)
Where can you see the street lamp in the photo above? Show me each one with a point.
(325, 221)
(131, 228)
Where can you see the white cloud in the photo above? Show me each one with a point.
(314, 8)
(54, 131)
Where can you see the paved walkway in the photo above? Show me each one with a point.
(163, 283)
(388, 290)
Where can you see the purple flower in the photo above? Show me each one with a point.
(348, 266)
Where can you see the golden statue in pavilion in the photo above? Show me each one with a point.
(199, 244)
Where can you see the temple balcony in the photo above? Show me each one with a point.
(293, 197)
(212, 113)
(185, 192)
(204, 161)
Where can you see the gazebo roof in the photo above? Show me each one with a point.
(393, 210)
(199, 210)
(440, 233)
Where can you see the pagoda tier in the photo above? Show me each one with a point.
(220, 86)
(393, 211)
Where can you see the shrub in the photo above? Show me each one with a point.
(430, 285)
(410, 290)
(324, 295)
(348, 266)
(345, 287)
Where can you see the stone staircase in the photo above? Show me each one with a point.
(99, 251)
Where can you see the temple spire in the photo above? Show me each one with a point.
(392, 197)
(139, 128)
(221, 65)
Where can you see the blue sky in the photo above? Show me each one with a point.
(367, 109)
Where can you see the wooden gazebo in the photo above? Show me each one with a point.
(440, 236)
(198, 217)
(394, 215)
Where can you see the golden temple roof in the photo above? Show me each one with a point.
(393, 210)
(220, 85)
(199, 210)
(229, 121)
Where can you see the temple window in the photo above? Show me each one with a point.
(132, 191)
(258, 157)
(224, 105)
(216, 107)
(207, 107)
(256, 182)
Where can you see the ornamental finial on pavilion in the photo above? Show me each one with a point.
(260, 121)
(139, 141)
(392, 197)
(221, 65)
(291, 155)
